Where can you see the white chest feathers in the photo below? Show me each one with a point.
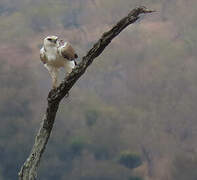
(54, 58)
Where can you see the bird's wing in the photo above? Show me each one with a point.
(43, 57)
(67, 51)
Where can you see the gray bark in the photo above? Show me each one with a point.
(29, 169)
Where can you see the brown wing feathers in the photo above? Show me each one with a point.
(68, 52)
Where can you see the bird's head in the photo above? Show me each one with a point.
(51, 41)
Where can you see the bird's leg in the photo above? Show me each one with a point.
(54, 75)
(54, 82)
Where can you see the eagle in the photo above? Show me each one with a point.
(56, 54)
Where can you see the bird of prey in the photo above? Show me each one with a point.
(55, 54)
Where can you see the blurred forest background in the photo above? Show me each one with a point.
(132, 116)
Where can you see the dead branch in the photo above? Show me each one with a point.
(29, 169)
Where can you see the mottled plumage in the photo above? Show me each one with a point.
(56, 54)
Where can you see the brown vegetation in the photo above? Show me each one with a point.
(141, 94)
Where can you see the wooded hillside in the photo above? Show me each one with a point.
(137, 102)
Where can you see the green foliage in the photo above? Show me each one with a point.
(5, 10)
(100, 152)
(77, 144)
(129, 159)
(97, 178)
(185, 167)
(135, 178)
(91, 117)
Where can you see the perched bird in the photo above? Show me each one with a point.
(55, 54)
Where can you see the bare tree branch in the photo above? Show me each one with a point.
(29, 169)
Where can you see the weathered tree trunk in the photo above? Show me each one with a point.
(29, 169)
